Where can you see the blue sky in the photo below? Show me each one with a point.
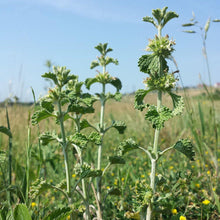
(66, 31)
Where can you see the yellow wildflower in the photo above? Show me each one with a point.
(112, 174)
(206, 202)
(74, 175)
(122, 179)
(208, 172)
(197, 185)
(174, 211)
(142, 176)
(182, 217)
(171, 167)
(33, 204)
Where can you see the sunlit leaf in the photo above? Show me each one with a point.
(40, 115)
(48, 105)
(84, 124)
(116, 82)
(127, 146)
(21, 212)
(51, 76)
(47, 137)
(94, 64)
(150, 20)
(90, 173)
(95, 138)
(139, 97)
(168, 16)
(90, 81)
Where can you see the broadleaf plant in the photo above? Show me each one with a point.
(162, 81)
(104, 78)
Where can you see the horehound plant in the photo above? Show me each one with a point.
(67, 102)
(105, 78)
(161, 81)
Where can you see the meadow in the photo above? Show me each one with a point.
(149, 155)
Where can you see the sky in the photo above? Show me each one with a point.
(66, 32)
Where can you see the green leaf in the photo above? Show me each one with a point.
(117, 96)
(51, 76)
(150, 20)
(90, 173)
(48, 137)
(84, 124)
(21, 212)
(207, 25)
(139, 97)
(109, 60)
(185, 146)
(38, 187)
(48, 105)
(90, 81)
(168, 16)
(188, 24)
(40, 115)
(190, 32)
(6, 131)
(95, 138)
(81, 108)
(127, 146)
(158, 14)
(151, 63)
(59, 214)
(78, 139)
(94, 64)
(120, 126)
(158, 118)
(116, 160)
(116, 82)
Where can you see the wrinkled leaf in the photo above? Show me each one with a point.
(48, 105)
(84, 124)
(185, 146)
(90, 173)
(38, 187)
(94, 64)
(120, 126)
(59, 214)
(139, 97)
(78, 139)
(95, 138)
(90, 81)
(168, 16)
(47, 137)
(116, 82)
(51, 76)
(127, 146)
(150, 20)
(40, 115)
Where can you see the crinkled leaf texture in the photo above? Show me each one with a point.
(84, 124)
(151, 63)
(78, 139)
(116, 160)
(6, 131)
(158, 118)
(51, 76)
(95, 138)
(90, 81)
(38, 187)
(21, 212)
(185, 146)
(120, 126)
(127, 146)
(59, 214)
(48, 137)
(40, 115)
(90, 173)
(47, 105)
(139, 97)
